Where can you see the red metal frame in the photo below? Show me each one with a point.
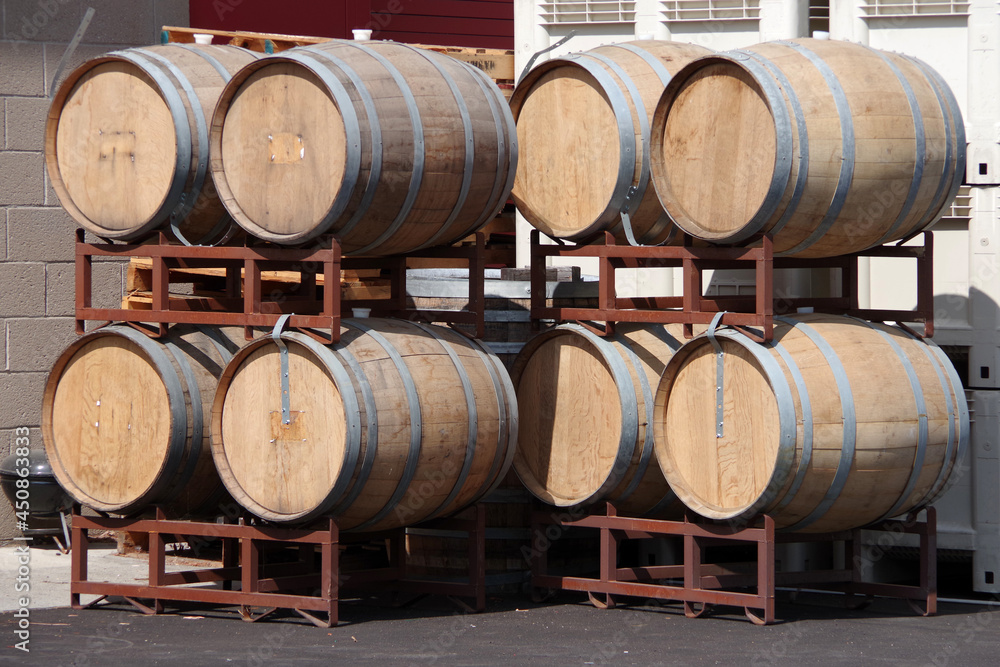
(250, 309)
(695, 308)
(272, 586)
(705, 583)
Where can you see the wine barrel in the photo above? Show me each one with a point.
(835, 425)
(585, 404)
(126, 142)
(124, 419)
(583, 125)
(829, 147)
(397, 423)
(390, 148)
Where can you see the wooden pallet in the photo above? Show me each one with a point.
(497, 63)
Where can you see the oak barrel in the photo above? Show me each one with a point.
(585, 405)
(836, 424)
(583, 125)
(397, 423)
(829, 147)
(127, 141)
(389, 147)
(125, 419)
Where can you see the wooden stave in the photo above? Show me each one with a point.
(360, 455)
(650, 224)
(331, 61)
(792, 467)
(190, 211)
(187, 484)
(785, 192)
(634, 483)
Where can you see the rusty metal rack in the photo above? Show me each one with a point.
(273, 586)
(696, 582)
(245, 305)
(693, 307)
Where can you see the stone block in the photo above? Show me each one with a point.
(40, 235)
(33, 345)
(123, 22)
(60, 288)
(22, 69)
(21, 181)
(41, 20)
(172, 12)
(83, 53)
(26, 123)
(23, 293)
(21, 399)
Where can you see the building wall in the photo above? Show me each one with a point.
(479, 23)
(36, 235)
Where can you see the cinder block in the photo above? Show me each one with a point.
(26, 123)
(23, 293)
(123, 22)
(51, 198)
(40, 235)
(21, 399)
(33, 345)
(83, 53)
(3, 348)
(172, 12)
(60, 288)
(3, 234)
(41, 20)
(21, 182)
(22, 70)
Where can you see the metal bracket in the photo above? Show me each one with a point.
(719, 371)
(626, 220)
(534, 57)
(286, 407)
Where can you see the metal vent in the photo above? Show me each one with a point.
(878, 8)
(711, 10)
(961, 208)
(562, 12)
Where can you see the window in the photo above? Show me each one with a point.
(879, 8)
(588, 11)
(707, 10)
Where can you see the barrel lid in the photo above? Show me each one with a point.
(564, 119)
(573, 418)
(728, 472)
(284, 148)
(113, 146)
(283, 458)
(714, 148)
(111, 420)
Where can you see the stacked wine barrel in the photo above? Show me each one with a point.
(386, 147)
(828, 148)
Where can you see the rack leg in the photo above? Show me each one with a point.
(477, 558)
(78, 562)
(692, 574)
(330, 578)
(928, 563)
(157, 567)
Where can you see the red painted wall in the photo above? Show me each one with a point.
(483, 23)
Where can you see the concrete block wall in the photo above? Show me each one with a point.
(36, 235)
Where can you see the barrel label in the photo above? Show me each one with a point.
(286, 148)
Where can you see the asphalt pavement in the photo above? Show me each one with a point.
(815, 629)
